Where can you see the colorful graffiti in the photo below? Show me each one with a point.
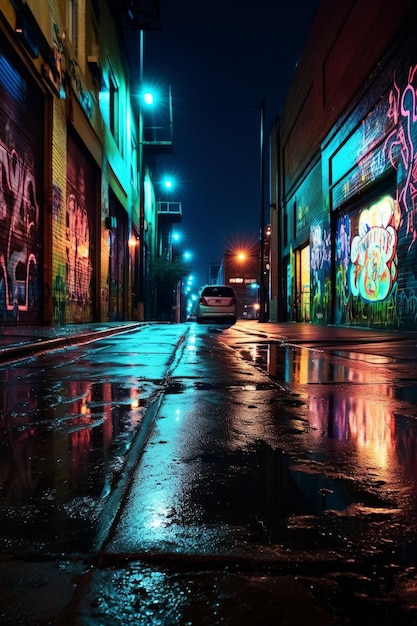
(342, 259)
(19, 225)
(66, 71)
(373, 260)
(400, 148)
(320, 285)
(375, 251)
(78, 262)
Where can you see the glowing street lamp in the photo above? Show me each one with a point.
(262, 285)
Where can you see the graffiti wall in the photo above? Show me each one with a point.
(375, 240)
(400, 149)
(367, 264)
(21, 166)
(320, 267)
(80, 213)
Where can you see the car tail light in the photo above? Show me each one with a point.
(203, 301)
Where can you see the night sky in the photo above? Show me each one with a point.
(222, 58)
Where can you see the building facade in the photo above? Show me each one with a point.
(78, 217)
(343, 246)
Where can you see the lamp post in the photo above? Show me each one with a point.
(241, 258)
(141, 286)
(262, 286)
(186, 256)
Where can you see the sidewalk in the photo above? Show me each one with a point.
(388, 345)
(20, 341)
(305, 331)
(302, 332)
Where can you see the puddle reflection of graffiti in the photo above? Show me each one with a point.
(19, 221)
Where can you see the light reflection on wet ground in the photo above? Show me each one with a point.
(311, 467)
(353, 409)
(65, 441)
(240, 460)
(67, 423)
(61, 449)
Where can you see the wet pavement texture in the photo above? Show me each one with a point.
(186, 474)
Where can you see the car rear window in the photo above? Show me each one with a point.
(218, 292)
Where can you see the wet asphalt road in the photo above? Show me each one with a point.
(277, 484)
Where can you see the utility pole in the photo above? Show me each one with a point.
(141, 289)
(262, 290)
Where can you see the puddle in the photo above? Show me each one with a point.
(62, 448)
(263, 490)
(304, 366)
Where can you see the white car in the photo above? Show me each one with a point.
(217, 302)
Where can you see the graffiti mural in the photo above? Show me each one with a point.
(78, 250)
(21, 192)
(77, 238)
(19, 224)
(373, 252)
(79, 245)
(366, 265)
(320, 286)
(342, 259)
(400, 147)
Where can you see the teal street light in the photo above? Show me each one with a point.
(145, 100)
(148, 98)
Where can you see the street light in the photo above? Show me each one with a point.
(262, 286)
(146, 99)
(186, 256)
(141, 160)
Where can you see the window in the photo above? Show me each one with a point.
(133, 160)
(217, 291)
(72, 24)
(285, 229)
(294, 216)
(114, 107)
(91, 35)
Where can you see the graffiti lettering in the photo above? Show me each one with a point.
(78, 263)
(399, 145)
(19, 221)
(70, 72)
(320, 259)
